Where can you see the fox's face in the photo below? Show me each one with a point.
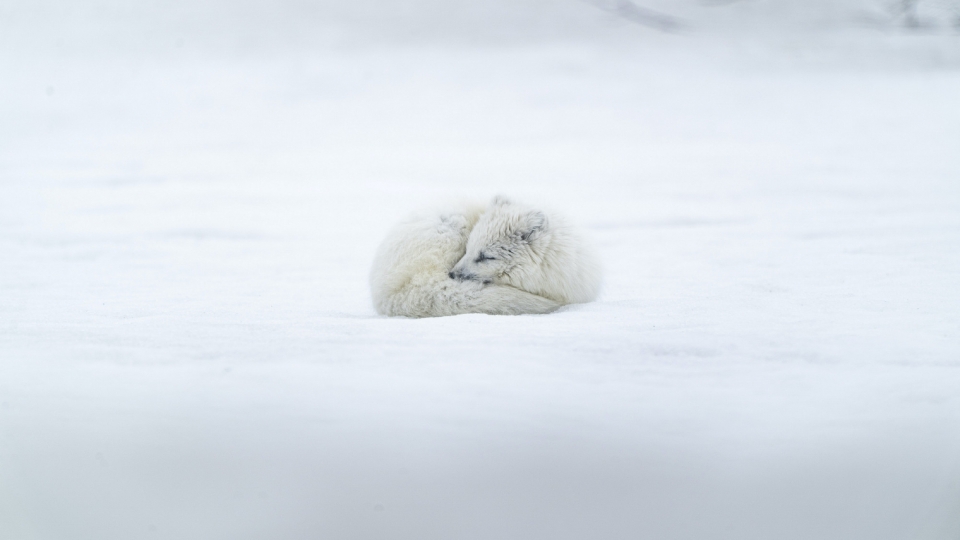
(503, 246)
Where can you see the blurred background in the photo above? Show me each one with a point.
(191, 194)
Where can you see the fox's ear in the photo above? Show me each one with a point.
(534, 223)
(499, 200)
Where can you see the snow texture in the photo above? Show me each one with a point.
(190, 204)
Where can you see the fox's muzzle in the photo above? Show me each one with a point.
(460, 275)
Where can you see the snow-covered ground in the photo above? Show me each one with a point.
(188, 349)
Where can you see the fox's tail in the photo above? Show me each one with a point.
(444, 296)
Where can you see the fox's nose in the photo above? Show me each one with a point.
(452, 275)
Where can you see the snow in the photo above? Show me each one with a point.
(188, 348)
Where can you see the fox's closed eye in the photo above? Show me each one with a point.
(484, 257)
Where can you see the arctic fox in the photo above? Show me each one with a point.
(505, 259)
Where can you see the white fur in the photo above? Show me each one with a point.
(428, 265)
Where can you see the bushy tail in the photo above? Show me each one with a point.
(441, 297)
